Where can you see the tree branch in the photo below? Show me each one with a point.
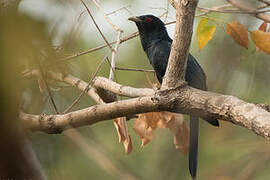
(88, 116)
(69, 79)
(175, 73)
(247, 7)
(183, 99)
(104, 83)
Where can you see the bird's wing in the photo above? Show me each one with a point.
(158, 55)
(195, 75)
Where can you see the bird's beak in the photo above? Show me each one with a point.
(134, 19)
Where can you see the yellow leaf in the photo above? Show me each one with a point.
(261, 39)
(204, 32)
(238, 32)
(203, 22)
(205, 36)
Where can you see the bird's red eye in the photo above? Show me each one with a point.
(148, 19)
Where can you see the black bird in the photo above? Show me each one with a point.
(157, 44)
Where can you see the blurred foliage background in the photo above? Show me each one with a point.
(58, 28)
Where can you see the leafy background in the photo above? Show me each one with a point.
(225, 153)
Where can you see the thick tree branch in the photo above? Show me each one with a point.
(183, 100)
(88, 116)
(104, 83)
(175, 73)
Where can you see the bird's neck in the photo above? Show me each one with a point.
(150, 39)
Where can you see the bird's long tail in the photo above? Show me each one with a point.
(193, 145)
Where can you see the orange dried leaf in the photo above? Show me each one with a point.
(263, 28)
(120, 128)
(122, 131)
(177, 125)
(142, 126)
(128, 145)
(261, 39)
(204, 32)
(147, 122)
(238, 32)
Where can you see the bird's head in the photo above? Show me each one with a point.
(150, 27)
(148, 23)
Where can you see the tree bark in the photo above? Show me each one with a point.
(183, 99)
(175, 73)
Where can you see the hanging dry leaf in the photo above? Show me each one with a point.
(181, 132)
(147, 122)
(238, 32)
(122, 131)
(128, 145)
(204, 32)
(261, 39)
(144, 125)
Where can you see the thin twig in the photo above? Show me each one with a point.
(117, 29)
(68, 79)
(124, 39)
(48, 90)
(131, 69)
(245, 6)
(109, 62)
(232, 11)
(108, 44)
(122, 8)
(86, 88)
(111, 77)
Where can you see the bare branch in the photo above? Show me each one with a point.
(69, 79)
(117, 29)
(222, 10)
(245, 6)
(48, 89)
(183, 100)
(175, 73)
(100, 32)
(124, 39)
(101, 82)
(122, 8)
(87, 87)
(111, 77)
(88, 116)
(132, 69)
